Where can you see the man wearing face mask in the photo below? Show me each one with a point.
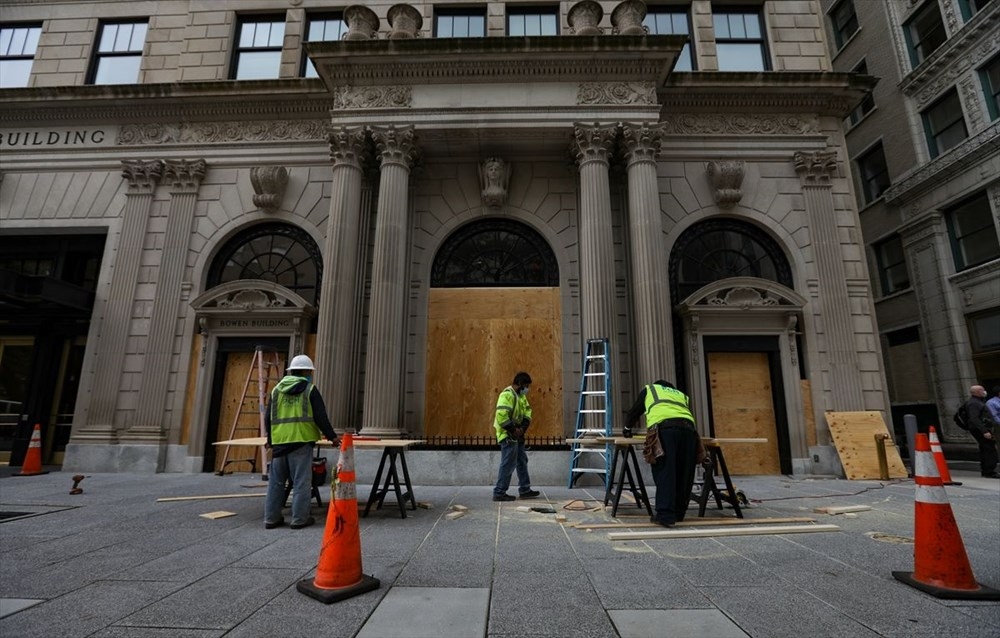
(513, 416)
(294, 422)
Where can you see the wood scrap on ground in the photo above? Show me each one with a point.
(703, 522)
(749, 530)
(218, 514)
(841, 509)
(207, 497)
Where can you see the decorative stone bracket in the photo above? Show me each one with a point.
(727, 181)
(269, 184)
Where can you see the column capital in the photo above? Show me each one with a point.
(815, 168)
(395, 145)
(641, 142)
(184, 175)
(142, 175)
(347, 146)
(593, 142)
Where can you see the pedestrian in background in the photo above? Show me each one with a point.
(294, 421)
(982, 428)
(511, 421)
(668, 414)
(993, 405)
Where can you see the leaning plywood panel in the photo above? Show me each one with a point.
(854, 436)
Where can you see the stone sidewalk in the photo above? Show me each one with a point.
(113, 562)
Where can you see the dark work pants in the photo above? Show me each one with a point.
(674, 472)
(987, 452)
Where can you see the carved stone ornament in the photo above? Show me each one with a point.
(815, 167)
(184, 174)
(616, 93)
(405, 22)
(395, 145)
(727, 180)
(142, 175)
(739, 124)
(494, 176)
(269, 184)
(593, 142)
(373, 97)
(250, 300)
(362, 23)
(641, 142)
(347, 146)
(584, 18)
(222, 132)
(743, 298)
(627, 17)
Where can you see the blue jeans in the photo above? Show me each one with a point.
(512, 456)
(297, 466)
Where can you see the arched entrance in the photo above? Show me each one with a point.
(493, 309)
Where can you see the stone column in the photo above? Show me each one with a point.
(385, 354)
(650, 294)
(184, 178)
(142, 178)
(339, 299)
(815, 170)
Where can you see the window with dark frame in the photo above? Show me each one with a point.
(672, 21)
(970, 8)
(972, 232)
(868, 103)
(924, 32)
(844, 21)
(118, 53)
(321, 27)
(874, 173)
(459, 23)
(532, 20)
(989, 74)
(892, 271)
(17, 53)
(944, 124)
(259, 39)
(739, 39)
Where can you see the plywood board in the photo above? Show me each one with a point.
(808, 416)
(742, 407)
(218, 514)
(841, 509)
(192, 384)
(248, 424)
(854, 436)
(727, 531)
(477, 340)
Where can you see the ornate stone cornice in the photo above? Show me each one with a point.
(740, 124)
(395, 145)
(348, 147)
(142, 175)
(220, 132)
(247, 296)
(641, 142)
(185, 175)
(978, 274)
(372, 97)
(616, 93)
(593, 142)
(269, 184)
(943, 168)
(727, 180)
(815, 168)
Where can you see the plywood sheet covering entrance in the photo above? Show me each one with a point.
(477, 340)
(854, 436)
(248, 425)
(742, 407)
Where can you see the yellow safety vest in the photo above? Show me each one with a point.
(291, 416)
(510, 407)
(664, 403)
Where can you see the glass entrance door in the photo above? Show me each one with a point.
(15, 365)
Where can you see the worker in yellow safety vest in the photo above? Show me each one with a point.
(511, 421)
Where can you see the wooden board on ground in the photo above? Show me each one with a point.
(841, 509)
(720, 531)
(218, 514)
(704, 522)
(207, 497)
(854, 436)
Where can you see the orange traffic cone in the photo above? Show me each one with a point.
(942, 464)
(941, 566)
(32, 465)
(338, 575)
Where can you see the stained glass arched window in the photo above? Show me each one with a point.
(496, 252)
(274, 252)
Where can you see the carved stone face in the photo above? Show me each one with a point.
(493, 170)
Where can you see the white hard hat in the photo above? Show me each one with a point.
(301, 362)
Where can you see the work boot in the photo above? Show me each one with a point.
(277, 523)
(656, 521)
(306, 523)
(503, 497)
(530, 494)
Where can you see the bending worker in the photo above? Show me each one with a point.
(668, 412)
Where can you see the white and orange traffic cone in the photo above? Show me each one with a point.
(942, 463)
(32, 465)
(941, 566)
(338, 575)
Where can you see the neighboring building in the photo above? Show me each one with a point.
(425, 216)
(925, 149)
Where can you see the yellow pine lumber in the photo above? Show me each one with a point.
(722, 531)
(208, 497)
(703, 522)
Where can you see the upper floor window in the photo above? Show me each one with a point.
(990, 76)
(972, 232)
(873, 173)
(892, 265)
(944, 124)
(844, 21)
(739, 40)
(532, 20)
(868, 103)
(460, 23)
(924, 32)
(258, 47)
(972, 7)
(321, 28)
(663, 21)
(17, 52)
(119, 53)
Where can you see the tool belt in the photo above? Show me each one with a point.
(652, 447)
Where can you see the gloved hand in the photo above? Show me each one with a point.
(627, 432)
(524, 425)
(518, 433)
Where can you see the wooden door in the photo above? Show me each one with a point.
(477, 340)
(743, 407)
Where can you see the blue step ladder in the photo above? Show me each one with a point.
(590, 456)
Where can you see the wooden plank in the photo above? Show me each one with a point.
(718, 441)
(218, 514)
(730, 531)
(841, 509)
(703, 522)
(208, 497)
(854, 437)
(742, 407)
(808, 415)
(192, 381)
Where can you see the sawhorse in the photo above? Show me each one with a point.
(392, 450)
(709, 486)
(627, 470)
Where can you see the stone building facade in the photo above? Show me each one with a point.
(429, 197)
(926, 153)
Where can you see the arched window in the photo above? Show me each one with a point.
(274, 252)
(494, 252)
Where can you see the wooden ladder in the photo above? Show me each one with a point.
(595, 399)
(264, 372)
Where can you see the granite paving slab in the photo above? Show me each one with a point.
(10, 606)
(429, 612)
(657, 623)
